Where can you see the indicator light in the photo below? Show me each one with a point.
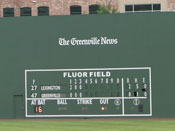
(102, 108)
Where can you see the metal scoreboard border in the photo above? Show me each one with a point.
(87, 69)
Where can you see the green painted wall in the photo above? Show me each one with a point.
(144, 40)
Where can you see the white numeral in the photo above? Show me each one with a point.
(86, 81)
(70, 87)
(80, 94)
(129, 86)
(118, 81)
(112, 80)
(101, 80)
(80, 87)
(127, 80)
(70, 95)
(70, 81)
(75, 94)
(107, 80)
(96, 81)
(34, 95)
(33, 87)
(90, 81)
(145, 94)
(75, 86)
(80, 81)
(75, 81)
(137, 86)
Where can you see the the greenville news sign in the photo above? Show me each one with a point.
(88, 92)
(91, 41)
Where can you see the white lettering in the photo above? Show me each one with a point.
(91, 41)
(86, 74)
(51, 95)
(84, 101)
(104, 101)
(50, 88)
(33, 102)
(61, 102)
(63, 42)
(100, 74)
(41, 102)
(74, 74)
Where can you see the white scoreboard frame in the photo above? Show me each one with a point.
(91, 69)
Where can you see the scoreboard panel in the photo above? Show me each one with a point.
(90, 92)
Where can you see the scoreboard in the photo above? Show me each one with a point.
(89, 92)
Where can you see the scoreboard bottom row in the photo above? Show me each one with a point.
(99, 92)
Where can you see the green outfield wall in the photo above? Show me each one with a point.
(88, 66)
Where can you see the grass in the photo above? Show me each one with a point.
(87, 125)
